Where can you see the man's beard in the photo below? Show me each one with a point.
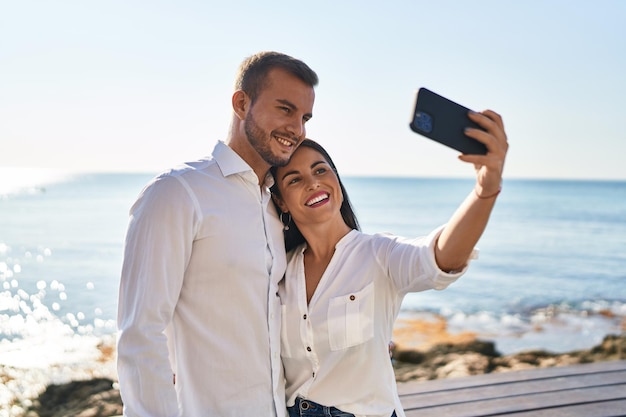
(261, 142)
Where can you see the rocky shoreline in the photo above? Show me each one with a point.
(450, 360)
(99, 397)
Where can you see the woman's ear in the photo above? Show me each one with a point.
(241, 104)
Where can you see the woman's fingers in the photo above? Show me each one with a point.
(492, 133)
(488, 167)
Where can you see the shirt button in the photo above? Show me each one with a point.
(304, 317)
(352, 298)
(308, 348)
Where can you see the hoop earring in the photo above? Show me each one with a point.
(285, 225)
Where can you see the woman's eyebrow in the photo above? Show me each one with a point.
(288, 173)
(295, 171)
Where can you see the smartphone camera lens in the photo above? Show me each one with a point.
(423, 121)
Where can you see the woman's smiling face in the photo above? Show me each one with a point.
(309, 187)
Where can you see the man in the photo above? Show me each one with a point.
(203, 256)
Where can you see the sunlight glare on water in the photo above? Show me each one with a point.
(14, 180)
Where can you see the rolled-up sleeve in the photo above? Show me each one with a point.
(413, 267)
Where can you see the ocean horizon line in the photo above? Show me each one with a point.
(43, 174)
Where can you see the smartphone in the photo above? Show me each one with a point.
(444, 121)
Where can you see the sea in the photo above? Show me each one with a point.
(551, 273)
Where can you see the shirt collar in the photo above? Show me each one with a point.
(349, 237)
(231, 163)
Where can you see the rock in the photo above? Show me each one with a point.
(481, 347)
(462, 365)
(408, 356)
(612, 346)
(88, 398)
(449, 360)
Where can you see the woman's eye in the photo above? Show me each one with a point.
(293, 181)
(320, 170)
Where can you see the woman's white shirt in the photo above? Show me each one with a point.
(335, 350)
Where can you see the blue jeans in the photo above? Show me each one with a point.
(306, 408)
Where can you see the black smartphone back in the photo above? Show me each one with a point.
(444, 121)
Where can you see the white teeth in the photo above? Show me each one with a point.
(316, 200)
(283, 141)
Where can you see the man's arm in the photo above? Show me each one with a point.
(157, 247)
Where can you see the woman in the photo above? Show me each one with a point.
(343, 289)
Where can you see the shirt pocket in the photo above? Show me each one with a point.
(351, 318)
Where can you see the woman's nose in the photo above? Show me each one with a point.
(313, 184)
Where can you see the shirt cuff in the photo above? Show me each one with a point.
(443, 279)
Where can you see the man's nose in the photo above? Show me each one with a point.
(297, 129)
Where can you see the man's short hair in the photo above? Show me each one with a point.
(253, 71)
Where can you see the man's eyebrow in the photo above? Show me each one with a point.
(292, 106)
(286, 103)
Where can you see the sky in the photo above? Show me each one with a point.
(121, 85)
